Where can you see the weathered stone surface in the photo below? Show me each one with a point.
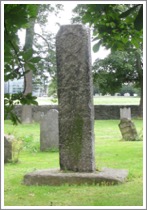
(76, 113)
(37, 116)
(128, 130)
(26, 115)
(8, 139)
(49, 131)
(56, 177)
(125, 113)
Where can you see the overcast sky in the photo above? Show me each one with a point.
(63, 18)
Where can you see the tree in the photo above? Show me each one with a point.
(14, 56)
(116, 26)
(20, 62)
(26, 115)
(46, 67)
(117, 69)
(29, 44)
(52, 91)
(129, 88)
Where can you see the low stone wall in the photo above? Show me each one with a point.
(105, 112)
(102, 112)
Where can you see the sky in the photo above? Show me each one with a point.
(63, 18)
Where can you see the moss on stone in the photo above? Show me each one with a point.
(75, 137)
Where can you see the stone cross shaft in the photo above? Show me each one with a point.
(75, 93)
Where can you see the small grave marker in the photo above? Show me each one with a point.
(126, 126)
(49, 131)
(125, 113)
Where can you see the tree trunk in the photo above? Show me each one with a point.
(26, 116)
(140, 77)
(141, 102)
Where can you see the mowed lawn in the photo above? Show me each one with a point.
(98, 100)
(110, 151)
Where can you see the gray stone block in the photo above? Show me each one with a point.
(55, 177)
(37, 116)
(75, 96)
(8, 140)
(49, 131)
(128, 130)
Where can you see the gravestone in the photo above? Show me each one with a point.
(8, 140)
(126, 126)
(127, 94)
(75, 93)
(128, 130)
(37, 116)
(125, 113)
(49, 131)
(76, 116)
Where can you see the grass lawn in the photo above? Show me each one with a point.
(116, 100)
(110, 151)
(99, 100)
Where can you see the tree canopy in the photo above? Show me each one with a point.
(118, 27)
(114, 26)
(16, 17)
(16, 58)
(114, 71)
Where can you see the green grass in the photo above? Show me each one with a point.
(116, 100)
(99, 100)
(110, 151)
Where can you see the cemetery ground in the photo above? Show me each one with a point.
(110, 151)
(99, 100)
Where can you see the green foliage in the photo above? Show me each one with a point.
(96, 89)
(17, 146)
(47, 65)
(117, 69)
(120, 28)
(44, 43)
(16, 16)
(18, 61)
(10, 100)
(96, 47)
(115, 25)
(14, 56)
(129, 89)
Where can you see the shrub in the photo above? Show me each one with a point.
(17, 146)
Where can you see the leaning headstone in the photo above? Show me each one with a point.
(126, 126)
(49, 131)
(76, 112)
(8, 140)
(128, 130)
